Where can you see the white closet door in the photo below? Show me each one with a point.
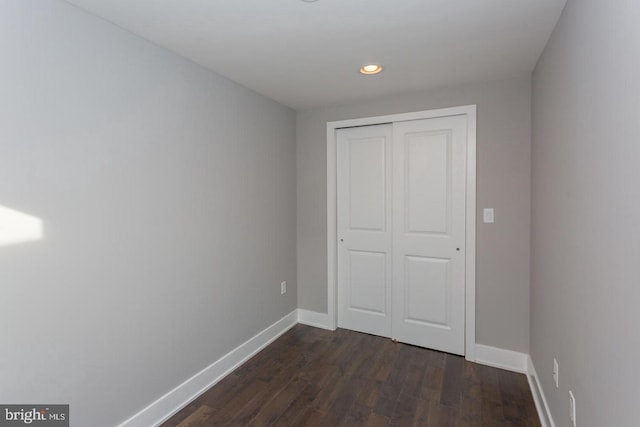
(364, 229)
(429, 174)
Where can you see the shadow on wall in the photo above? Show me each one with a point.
(17, 227)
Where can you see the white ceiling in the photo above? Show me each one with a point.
(306, 55)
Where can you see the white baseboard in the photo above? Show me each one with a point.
(501, 358)
(538, 395)
(166, 406)
(313, 318)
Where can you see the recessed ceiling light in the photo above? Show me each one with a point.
(371, 69)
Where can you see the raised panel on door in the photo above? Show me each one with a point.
(429, 232)
(364, 229)
(427, 173)
(367, 280)
(366, 177)
(427, 301)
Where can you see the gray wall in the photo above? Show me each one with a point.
(168, 200)
(503, 183)
(586, 213)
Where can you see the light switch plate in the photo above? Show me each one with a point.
(488, 216)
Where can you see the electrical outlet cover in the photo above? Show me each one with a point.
(489, 217)
(572, 408)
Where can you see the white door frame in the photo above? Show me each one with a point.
(470, 229)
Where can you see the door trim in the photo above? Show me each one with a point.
(470, 222)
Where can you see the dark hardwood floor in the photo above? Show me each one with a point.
(313, 377)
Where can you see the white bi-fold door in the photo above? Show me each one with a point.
(401, 231)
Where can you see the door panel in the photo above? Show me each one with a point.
(427, 298)
(427, 174)
(367, 279)
(364, 229)
(429, 232)
(367, 184)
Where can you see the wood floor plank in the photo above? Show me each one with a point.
(404, 412)
(197, 418)
(244, 395)
(471, 403)
(329, 390)
(314, 377)
(378, 373)
(418, 363)
(310, 418)
(358, 415)
(451, 391)
(299, 406)
(271, 411)
(421, 414)
(270, 390)
(392, 387)
(443, 416)
(183, 414)
(431, 384)
(217, 396)
(376, 420)
(492, 409)
(341, 401)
